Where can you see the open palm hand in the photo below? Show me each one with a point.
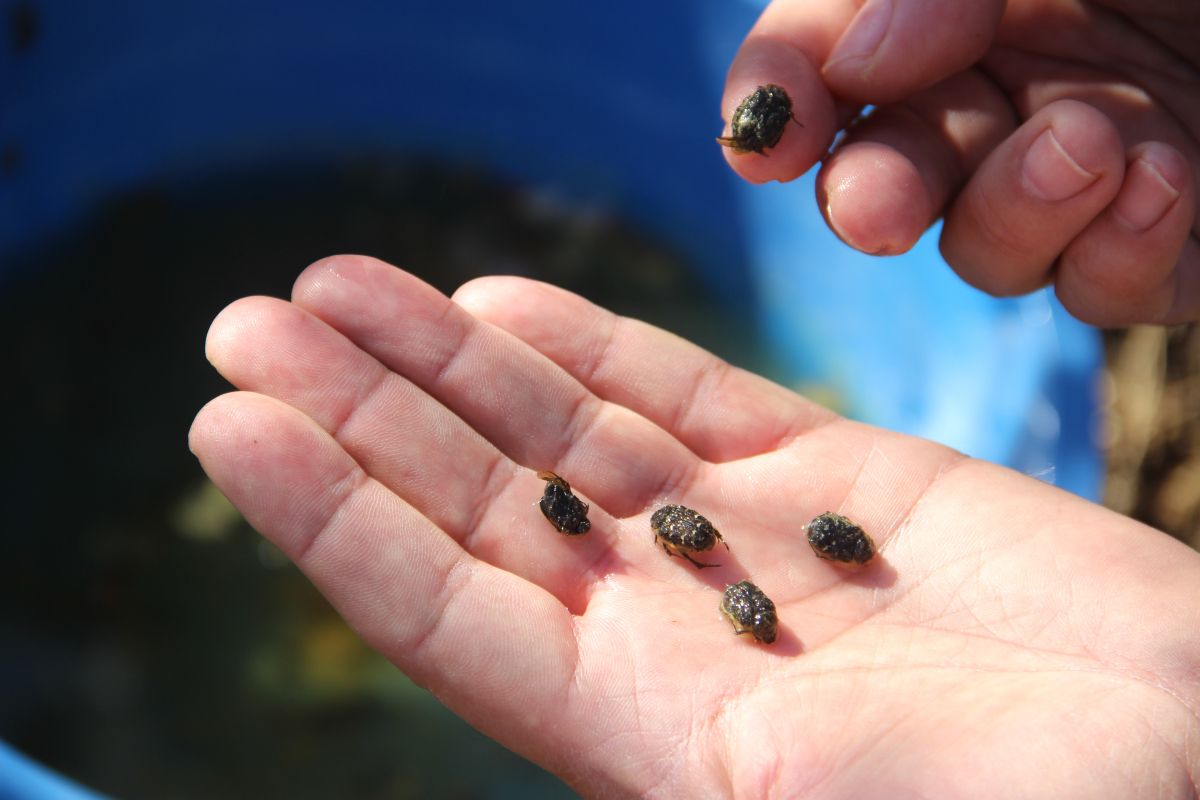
(1011, 641)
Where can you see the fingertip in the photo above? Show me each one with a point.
(898, 167)
(1137, 262)
(230, 324)
(500, 298)
(874, 198)
(488, 293)
(1068, 147)
(333, 273)
(1156, 178)
(220, 423)
(767, 60)
(533, 311)
(203, 426)
(317, 275)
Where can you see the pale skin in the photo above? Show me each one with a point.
(1058, 139)
(1013, 640)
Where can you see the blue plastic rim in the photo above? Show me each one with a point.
(618, 102)
(24, 779)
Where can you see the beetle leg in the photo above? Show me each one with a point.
(699, 564)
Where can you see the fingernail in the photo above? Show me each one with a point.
(833, 224)
(863, 37)
(878, 250)
(1145, 197)
(1049, 173)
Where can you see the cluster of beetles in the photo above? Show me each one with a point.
(757, 125)
(684, 532)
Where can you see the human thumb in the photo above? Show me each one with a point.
(892, 48)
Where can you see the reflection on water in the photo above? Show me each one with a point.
(155, 645)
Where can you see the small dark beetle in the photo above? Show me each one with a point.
(759, 122)
(750, 611)
(681, 531)
(836, 538)
(566, 512)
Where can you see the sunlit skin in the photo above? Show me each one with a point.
(1058, 139)
(1010, 640)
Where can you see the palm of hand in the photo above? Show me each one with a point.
(389, 447)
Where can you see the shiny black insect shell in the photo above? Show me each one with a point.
(750, 611)
(566, 512)
(836, 538)
(680, 531)
(760, 120)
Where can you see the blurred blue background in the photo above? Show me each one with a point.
(158, 160)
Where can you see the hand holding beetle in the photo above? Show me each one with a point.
(1059, 140)
(386, 439)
